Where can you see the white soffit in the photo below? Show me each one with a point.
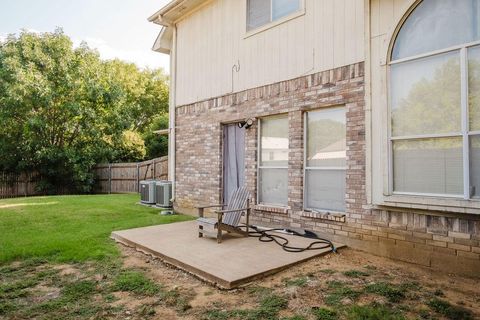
(163, 43)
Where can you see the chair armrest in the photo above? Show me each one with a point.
(210, 206)
(228, 211)
(201, 209)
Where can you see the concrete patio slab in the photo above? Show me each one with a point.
(234, 262)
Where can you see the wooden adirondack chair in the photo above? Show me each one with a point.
(228, 217)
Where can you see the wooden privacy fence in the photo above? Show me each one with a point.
(26, 184)
(125, 177)
(15, 185)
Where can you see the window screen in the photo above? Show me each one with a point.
(262, 12)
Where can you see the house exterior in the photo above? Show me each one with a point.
(359, 119)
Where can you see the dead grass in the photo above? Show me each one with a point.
(349, 285)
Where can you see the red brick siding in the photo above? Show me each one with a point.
(426, 238)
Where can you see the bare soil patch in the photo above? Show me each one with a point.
(306, 285)
(347, 285)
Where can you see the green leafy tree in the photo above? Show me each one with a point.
(156, 145)
(63, 109)
(131, 147)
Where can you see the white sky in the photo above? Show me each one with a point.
(116, 28)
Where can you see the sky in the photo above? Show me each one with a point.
(116, 28)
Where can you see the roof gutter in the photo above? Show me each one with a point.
(157, 17)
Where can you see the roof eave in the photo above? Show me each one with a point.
(174, 10)
(154, 17)
(163, 43)
(159, 16)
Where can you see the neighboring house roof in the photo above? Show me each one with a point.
(166, 16)
(333, 151)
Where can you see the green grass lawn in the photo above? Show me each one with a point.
(70, 228)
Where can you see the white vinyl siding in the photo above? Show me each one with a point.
(434, 101)
(215, 57)
(325, 160)
(273, 161)
(262, 12)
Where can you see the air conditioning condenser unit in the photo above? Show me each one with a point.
(147, 191)
(164, 194)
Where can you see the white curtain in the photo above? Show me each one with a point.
(233, 160)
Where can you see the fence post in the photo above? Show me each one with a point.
(137, 188)
(154, 170)
(109, 178)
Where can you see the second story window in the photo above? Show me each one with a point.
(262, 12)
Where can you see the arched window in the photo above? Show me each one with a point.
(435, 100)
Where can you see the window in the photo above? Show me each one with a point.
(273, 161)
(435, 101)
(325, 163)
(262, 12)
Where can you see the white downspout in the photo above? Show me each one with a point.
(172, 112)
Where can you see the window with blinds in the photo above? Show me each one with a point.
(273, 161)
(435, 101)
(262, 12)
(325, 159)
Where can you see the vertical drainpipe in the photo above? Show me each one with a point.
(172, 110)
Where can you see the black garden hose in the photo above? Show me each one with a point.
(267, 236)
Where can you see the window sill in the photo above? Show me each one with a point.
(431, 203)
(324, 215)
(272, 209)
(274, 23)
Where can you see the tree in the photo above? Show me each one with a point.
(63, 109)
(156, 145)
(131, 147)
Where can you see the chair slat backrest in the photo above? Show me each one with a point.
(238, 200)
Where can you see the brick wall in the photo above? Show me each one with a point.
(426, 238)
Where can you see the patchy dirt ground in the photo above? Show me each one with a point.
(303, 285)
(348, 285)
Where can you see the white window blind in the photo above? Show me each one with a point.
(262, 12)
(325, 160)
(259, 13)
(273, 161)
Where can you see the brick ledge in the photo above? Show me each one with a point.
(325, 215)
(273, 209)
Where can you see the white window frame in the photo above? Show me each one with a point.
(259, 157)
(250, 32)
(306, 168)
(465, 134)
